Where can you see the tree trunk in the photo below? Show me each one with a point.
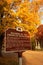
(1, 42)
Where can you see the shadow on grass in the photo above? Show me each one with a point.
(9, 63)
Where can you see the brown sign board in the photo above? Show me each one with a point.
(16, 41)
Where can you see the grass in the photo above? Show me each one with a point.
(8, 60)
(9, 63)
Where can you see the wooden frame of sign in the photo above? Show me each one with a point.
(16, 41)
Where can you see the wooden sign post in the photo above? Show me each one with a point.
(20, 58)
(17, 41)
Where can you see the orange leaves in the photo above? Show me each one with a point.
(26, 12)
(9, 1)
(39, 34)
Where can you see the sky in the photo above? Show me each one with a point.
(41, 14)
(30, 0)
(41, 21)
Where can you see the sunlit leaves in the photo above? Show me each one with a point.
(29, 18)
(26, 12)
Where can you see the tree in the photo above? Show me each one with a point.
(12, 12)
(3, 4)
(27, 13)
(28, 17)
(39, 35)
(7, 17)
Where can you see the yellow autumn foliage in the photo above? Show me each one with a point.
(30, 19)
(26, 12)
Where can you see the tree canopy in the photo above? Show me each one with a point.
(19, 13)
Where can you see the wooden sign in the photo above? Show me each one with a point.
(16, 41)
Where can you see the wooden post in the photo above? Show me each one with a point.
(20, 58)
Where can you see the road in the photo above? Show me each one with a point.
(33, 58)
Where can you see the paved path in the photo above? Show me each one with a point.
(33, 58)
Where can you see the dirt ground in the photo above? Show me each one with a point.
(28, 58)
(33, 58)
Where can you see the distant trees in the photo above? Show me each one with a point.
(39, 35)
